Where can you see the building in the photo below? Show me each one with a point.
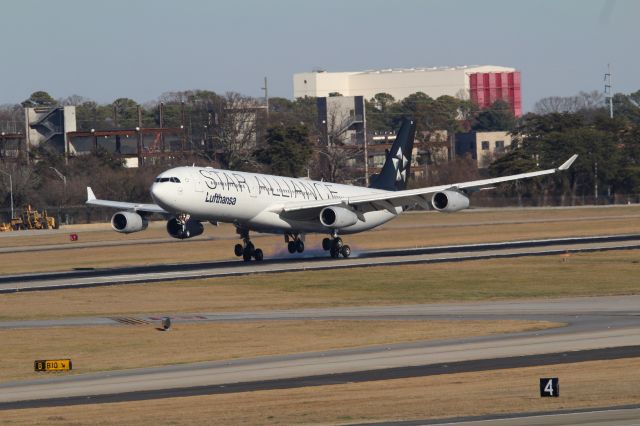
(49, 127)
(342, 119)
(484, 147)
(483, 84)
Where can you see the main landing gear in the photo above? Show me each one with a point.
(247, 250)
(295, 243)
(335, 247)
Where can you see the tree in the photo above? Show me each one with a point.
(301, 110)
(498, 117)
(39, 99)
(627, 106)
(11, 118)
(583, 101)
(238, 131)
(90, 115)
(73, 100)
(287, 150)
(552, 138)
(629, 172)
(382, 101)
(126, 111)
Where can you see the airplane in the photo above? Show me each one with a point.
(293, 207)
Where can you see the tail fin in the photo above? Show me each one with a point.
(395, 172)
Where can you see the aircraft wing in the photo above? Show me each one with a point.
(133, 207)
(389, 200)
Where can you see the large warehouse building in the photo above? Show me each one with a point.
(482, 84)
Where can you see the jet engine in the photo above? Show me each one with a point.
(128, 222)
(191, 228)
(337, 217)
(449, 201)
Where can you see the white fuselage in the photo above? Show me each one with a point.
(254, 201)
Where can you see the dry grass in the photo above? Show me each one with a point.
(409, 230)
(588, 384)
(114, 348)
(588, 274)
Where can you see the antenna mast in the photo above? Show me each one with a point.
(266, 96)
(608, 93)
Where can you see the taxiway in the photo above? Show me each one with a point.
(597, 328)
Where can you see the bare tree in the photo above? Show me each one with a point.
(11, 118)
(73, 100)
(336, 156)
(238, 130)
(583, 101)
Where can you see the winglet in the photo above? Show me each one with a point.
(568, 163)
(90, 195)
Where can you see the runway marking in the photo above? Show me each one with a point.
(130, 320)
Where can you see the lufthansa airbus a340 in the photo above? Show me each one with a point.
(188, 196)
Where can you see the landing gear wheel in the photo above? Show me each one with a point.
(257, 255)
(337, 248)
(238, 250)
(299, 246)
(248, 252)
(291, 247)
(337, 242)
(334, 252)
(326, 244)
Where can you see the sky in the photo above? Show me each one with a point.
(139, 49)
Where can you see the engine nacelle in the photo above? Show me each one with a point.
(191, 228)
(337, 217)
(128, 222)
(449, 201)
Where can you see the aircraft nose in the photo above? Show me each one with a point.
(157, 193)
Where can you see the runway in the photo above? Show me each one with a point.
(606, 416)
(597, 328)
(311, 260)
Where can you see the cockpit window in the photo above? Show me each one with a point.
(168, 179)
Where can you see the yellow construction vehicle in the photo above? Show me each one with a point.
(31, 219)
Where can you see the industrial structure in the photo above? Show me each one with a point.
(482, 84)
(49, 127)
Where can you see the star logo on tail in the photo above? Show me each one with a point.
(400, 164)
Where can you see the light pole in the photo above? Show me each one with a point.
(10, 190)
(64, 194)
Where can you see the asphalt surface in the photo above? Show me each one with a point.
(597, 328)
(339, 378)
(604, 416)
(312, 260)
